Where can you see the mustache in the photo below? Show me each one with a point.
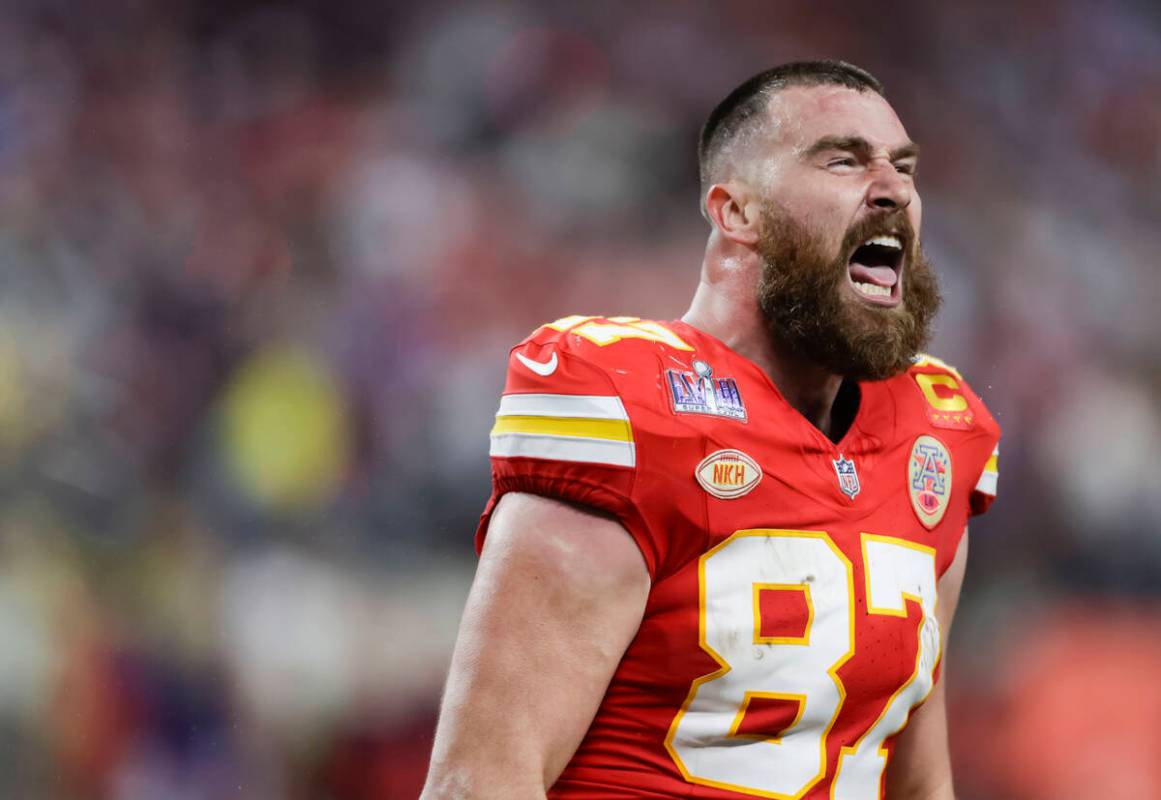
(893, 222)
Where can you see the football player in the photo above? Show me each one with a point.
(722, 554)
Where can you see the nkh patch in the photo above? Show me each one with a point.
(699, 392)
(728, 474)
(848, 477)
(929, 479)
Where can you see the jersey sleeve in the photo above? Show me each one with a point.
(563, 431)
(984, 491)
(985, 445)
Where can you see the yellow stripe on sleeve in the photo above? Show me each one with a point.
(611, 429)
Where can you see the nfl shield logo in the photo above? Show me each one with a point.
(848, 479)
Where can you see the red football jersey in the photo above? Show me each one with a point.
(790, 629)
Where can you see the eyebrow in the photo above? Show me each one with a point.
(860, 145)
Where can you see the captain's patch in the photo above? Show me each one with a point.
(947, 407)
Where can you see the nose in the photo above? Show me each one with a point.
(889, 188)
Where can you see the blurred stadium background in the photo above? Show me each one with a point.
(260, 265)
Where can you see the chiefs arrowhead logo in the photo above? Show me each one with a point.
(929, 479)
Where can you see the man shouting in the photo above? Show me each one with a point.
(722, 553)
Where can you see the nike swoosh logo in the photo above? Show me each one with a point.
(541, 368)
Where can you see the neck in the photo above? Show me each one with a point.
(822, 397)
(724, 307)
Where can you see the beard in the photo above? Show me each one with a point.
(802, 295)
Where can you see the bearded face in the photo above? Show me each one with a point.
(812, 305)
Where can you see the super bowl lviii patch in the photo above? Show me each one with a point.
(929, 479)
(697, 391)
(728, 474)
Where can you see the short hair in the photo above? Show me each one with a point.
(745, 104)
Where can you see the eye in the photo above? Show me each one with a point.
(842, 161)
(907, 168)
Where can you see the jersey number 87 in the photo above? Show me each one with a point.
(702, 739)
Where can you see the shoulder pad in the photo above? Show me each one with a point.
(949, 403)
(577, 389)
(929, 363)
(599, 338)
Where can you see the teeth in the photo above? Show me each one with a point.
(885, 241)
(872, 290)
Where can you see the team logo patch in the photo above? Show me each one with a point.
(728, 474)
(848, 478)
(699, 392)
(929, 479)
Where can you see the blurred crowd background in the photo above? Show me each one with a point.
(260, 266)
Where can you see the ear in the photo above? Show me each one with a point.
(733, 212)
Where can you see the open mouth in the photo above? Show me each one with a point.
(876, 269)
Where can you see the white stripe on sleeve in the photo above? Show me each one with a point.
(583, 406)
(564, 448)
